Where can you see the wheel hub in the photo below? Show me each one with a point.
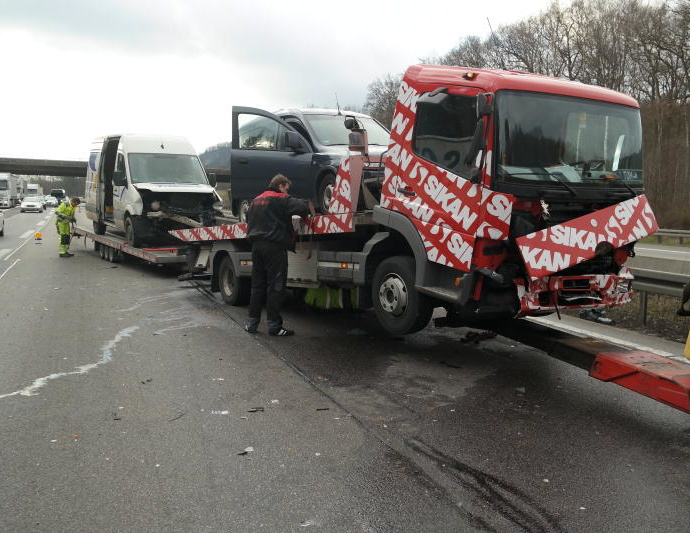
(393, 295)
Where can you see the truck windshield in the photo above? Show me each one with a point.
(166, 168)
(547, 138)
(330, 130)
(3, 185)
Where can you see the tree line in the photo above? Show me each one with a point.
(642, 49)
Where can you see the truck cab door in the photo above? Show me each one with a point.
(259, 152)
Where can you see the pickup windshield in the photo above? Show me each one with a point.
(330, 130)
(166, 168)
(547, 138)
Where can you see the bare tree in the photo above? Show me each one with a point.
(382, 94)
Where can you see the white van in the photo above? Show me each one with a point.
(146, 185)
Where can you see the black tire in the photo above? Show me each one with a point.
(2, 231)
(398, 306)
(101, 250)
(324, 192)
(131, 235)
(234, 290)
(98, 228)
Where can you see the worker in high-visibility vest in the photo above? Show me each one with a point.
(65, 216)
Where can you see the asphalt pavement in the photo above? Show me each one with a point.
(133, 402)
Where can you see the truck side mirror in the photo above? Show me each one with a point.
(212, 179)
(484, 107)
(351, 123)
(293, 141)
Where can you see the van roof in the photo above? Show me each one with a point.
(152, 143)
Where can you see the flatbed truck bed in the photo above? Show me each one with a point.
(112, 247)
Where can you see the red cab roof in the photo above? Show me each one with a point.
(494, 80)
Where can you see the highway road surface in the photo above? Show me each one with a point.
(133, 402)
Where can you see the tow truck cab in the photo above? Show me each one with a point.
(525, 192)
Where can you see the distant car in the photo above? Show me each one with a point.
(51, 201)
(2, 224)
(32, 203)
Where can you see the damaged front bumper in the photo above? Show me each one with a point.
(554, 293)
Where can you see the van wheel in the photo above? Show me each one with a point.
(242, 210)
(397, 304)
(324, 194)
(233, 289)
(98, 228)
(131, 236)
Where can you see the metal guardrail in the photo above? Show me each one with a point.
(657, 282)
(680, 234)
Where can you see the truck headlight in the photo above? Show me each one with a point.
(155, 205)
(218, 206)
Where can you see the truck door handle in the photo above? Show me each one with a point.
(407, 191)
(243, 161)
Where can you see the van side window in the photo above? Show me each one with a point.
(120, 164)
(260, 133)
(443, 132)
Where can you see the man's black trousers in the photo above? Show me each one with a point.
(269, 277)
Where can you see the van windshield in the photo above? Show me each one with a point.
(330, 130)
(166, 168)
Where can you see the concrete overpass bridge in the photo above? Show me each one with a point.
(76, 169)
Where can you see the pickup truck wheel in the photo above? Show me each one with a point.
(324, 195)
(98, 228)
(243, 209)
(233, 289)
(397, 304)
(131, 236)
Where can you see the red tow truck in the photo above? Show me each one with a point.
(502, 195)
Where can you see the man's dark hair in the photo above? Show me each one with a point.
(278, 180)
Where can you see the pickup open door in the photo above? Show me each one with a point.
(260, 150)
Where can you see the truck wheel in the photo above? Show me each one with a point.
(98, 228)
(324, 194)
(131, 236)
(397, 304)
(234, 290)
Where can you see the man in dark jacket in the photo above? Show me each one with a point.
(269, 229)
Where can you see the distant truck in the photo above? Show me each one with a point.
(34, 189)
(10, 189)
(59, 194)
(147, 185)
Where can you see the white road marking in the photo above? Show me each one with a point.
(106, 357)
(4, 252)
(29, 238)
(8, 268)
(26, 234)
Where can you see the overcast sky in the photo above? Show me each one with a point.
(76, 69)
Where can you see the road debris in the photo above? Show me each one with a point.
(180, 414)
(477, 336)
(147, 381)
(256, 410)
(323, 408)
(247, 450)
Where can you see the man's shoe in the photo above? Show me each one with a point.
(67, 254)
(250, 329)
(282, 332)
